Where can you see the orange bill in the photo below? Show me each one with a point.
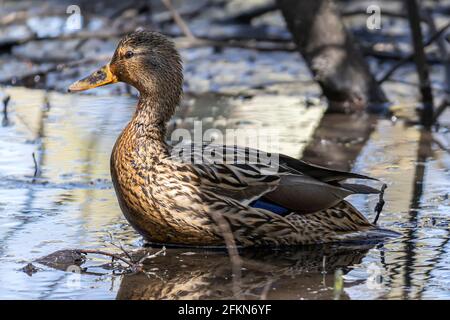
(101, 77)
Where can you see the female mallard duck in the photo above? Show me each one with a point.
(186, 203)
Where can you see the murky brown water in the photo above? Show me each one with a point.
(71, 204)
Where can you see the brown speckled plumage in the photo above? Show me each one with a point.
(175, 202)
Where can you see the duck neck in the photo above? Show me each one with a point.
(151, 117)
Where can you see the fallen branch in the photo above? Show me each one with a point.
(120, 246)
(410, 57)
(133, 265)
(105, 253)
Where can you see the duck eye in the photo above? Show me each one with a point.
(129, 54)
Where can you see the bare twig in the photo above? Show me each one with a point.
(191, 11)
(108, 254)
(5, 120)
(379, 206)
(36, 166)
(120, 246)
(410, 57)
(179, 20)
(150, 255)
(442, 46)
(147, 255)
(440, 109)
(132, 265)
(444, 52)
(441, 145)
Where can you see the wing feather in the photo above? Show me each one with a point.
(297, 185)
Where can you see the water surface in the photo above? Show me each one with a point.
(70, 203)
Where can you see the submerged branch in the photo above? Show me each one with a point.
(133, 265)
(105, 253)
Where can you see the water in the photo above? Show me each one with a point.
(70, 203)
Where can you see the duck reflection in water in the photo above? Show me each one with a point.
(308, 273)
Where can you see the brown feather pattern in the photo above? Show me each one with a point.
(174, 202)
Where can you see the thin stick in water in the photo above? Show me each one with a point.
(380, 204)
(36, 166)
(5, 120)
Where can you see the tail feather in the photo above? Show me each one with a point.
(359, 188)
(373, 234)
(340, 223)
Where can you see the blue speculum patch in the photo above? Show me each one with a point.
(270, 206)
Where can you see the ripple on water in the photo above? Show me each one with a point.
(72, 205)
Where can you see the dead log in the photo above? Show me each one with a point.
(331, 54)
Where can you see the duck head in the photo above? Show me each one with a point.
(147, 61)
